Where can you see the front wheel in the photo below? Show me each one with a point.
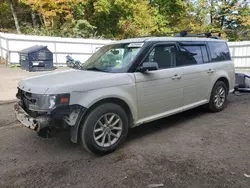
(104, 129)
(218, 97)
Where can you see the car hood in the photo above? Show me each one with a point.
(73, 81)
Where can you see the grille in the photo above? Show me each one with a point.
(28, 97)
(25, 98)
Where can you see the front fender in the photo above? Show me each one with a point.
(126, 93)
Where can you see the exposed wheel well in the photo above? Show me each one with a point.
(225, 80)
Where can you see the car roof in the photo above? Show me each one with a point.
(168, 39)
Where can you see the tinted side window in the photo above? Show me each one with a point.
(204, 54)
(195, 52)
(192, 55)
(164, 55)
(219, 51)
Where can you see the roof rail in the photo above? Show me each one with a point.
(144, 36)
(207, 35)
(185, 34)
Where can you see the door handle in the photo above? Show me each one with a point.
(210, 71)
(176, 77)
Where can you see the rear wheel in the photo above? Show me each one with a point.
(218, 97)
(104, 129)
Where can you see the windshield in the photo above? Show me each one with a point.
(113, 58)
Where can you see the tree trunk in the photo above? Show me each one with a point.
(211, 11)
(33, 17)
(222, 22)
(14, 16)
(223, 11)
(41, 19)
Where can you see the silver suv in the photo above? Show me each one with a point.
(126, 84)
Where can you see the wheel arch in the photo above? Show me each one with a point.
(114, 100)
(222, 78)
(225, 80)
(75, 130)
(211, 105)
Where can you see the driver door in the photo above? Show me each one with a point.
(160, 92)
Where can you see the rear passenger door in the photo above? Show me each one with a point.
(193, 56)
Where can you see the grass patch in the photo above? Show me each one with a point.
(14, 66)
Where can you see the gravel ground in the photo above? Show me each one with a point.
(194, 149)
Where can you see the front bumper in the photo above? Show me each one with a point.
(39, 123)
(35, 124)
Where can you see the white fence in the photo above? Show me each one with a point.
(82, 49)
(240, 52)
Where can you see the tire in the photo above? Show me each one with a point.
(218, 97)
(96, 121)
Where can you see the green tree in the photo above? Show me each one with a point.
(231, 17)
(5, 15)
(14, 14)
(125, 18)
(60, 18)
(8, 14)
(174, 12)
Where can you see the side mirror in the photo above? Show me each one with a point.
(148, 66)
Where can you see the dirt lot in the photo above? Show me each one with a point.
(194, 149)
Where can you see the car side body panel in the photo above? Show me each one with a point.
(126, 93)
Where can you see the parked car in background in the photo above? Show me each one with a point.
(126, 84)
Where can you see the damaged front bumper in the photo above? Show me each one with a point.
(44, 124)
(35, 124)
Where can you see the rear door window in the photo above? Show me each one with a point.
(192, 54)
(195, 52)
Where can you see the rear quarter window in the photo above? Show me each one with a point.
(219, 51)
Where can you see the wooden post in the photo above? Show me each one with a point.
(7, 59)
(56, 62)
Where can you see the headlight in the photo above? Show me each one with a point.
(49, 102)
(52, 101)
(58, 100)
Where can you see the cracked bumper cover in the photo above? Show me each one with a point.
(35, 124)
